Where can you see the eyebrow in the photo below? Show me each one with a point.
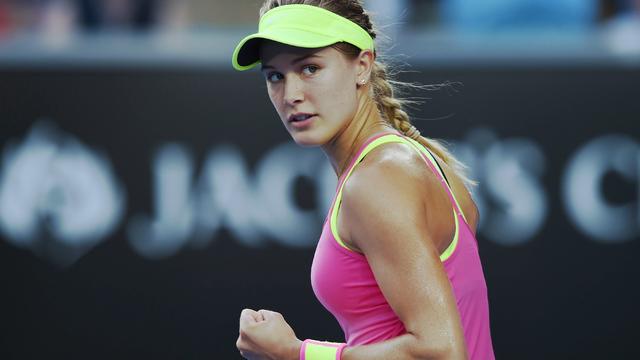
(295, 61)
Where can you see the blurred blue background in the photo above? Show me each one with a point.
(148, 192)
(200, 31)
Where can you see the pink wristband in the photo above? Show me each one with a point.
(321, 350)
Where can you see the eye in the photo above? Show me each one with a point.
(273, 77)
(309, 69)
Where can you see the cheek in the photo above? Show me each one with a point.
(340, 95)
(275, 99)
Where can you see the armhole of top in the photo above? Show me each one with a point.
(338, 201)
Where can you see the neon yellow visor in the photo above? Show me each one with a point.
(300, 25)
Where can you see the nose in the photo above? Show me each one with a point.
(293, 90)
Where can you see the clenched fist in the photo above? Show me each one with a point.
(265, 335)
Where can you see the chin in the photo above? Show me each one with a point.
(306, 139)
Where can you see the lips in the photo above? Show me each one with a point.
(300, 117)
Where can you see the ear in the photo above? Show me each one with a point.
(364, 66)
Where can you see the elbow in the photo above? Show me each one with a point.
(447, 349)
(449, 353)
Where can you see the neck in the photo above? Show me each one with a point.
(366, 123)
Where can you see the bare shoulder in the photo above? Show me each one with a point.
(390, 190)
(407, 164)
(394, 188)
(395, 167)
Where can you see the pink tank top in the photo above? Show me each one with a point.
(344, 283)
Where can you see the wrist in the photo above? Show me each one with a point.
(346, 353)
(293, 350)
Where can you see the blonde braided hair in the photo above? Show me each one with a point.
(392, 108)
(383, 89)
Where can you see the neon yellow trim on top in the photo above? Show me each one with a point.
(319, 352)
(454, 243)
(379, 141)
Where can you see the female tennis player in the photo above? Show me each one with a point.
(397, 263)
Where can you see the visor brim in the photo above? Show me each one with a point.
(247, 54)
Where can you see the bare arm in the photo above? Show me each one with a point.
(385, 210)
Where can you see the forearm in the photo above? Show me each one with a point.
(404, 347)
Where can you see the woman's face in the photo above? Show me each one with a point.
(313, 90)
